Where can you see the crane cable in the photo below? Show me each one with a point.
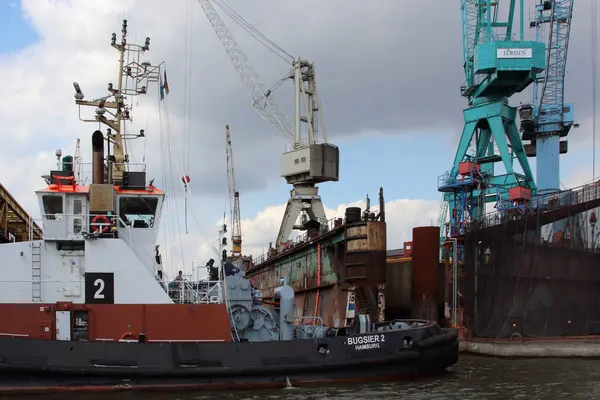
(269, 44)
(171, 227)
(594, 51)
(187, 98)
(253, 31)
(170, 162)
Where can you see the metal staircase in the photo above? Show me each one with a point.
(443, 213)
(365, 301)
(36, 271)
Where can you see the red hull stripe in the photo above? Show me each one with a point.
(109, 322)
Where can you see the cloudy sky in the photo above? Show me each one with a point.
(388, 71)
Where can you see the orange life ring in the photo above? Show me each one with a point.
(96, 222)
(128, 335)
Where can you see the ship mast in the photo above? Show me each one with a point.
(112, 109)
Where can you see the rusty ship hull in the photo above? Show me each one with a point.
(346, 270)
(337, 271)
(335, 274)
(518, 283)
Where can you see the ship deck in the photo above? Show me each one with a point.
(544, 210)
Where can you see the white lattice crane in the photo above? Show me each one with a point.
(234, 200)
(307, 162)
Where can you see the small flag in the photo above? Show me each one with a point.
(166, 83)
(161, 87)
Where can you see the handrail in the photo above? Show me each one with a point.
(303, 238)
(577, 195)
(84, 173)
(541, 203)
(195, 292)
(63, 218)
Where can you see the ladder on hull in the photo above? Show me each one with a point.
(36, 271)
(443, 213)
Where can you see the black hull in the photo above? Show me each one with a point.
(525, 289)
(29, 365)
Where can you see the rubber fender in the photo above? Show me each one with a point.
(449, 336)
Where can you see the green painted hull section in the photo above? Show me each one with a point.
(300, 266)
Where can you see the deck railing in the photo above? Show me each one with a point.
(303, 238)
(546, 202)
(69, 226)
(196, 292)
(569, 203)
(83, 171)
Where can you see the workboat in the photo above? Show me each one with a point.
(89, 307)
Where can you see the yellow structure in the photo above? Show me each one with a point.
(15, 221)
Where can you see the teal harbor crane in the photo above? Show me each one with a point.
(497, 63)
(548, 119)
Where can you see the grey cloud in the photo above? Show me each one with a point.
(391, 66)
(386, 67)
(382, 68)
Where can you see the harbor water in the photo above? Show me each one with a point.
(474, 377)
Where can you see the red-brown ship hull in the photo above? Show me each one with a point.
(109, 322)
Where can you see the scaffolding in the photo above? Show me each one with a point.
(467, 191)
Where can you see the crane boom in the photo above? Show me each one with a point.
(307, 162)
(548, 113)
(560, 28)
(234, 199)
(547, 121)
(262, 100)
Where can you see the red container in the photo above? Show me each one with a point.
(519, 193)
(465, 167)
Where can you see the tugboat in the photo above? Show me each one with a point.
(89, 308)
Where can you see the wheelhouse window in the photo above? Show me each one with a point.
(53, 205)
(77, 206)
(139, 211)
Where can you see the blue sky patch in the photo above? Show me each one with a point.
(15, 32)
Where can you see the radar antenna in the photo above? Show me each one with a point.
(112, 110)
